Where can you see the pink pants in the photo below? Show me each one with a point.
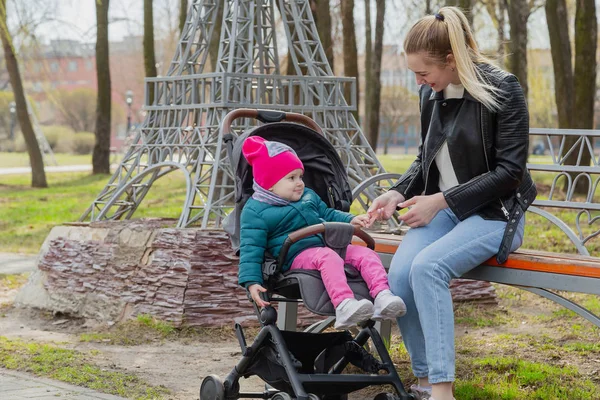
(331, 267)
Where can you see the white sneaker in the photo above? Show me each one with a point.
(351, 311)
(388, 306)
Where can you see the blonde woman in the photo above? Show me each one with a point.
(466, 192)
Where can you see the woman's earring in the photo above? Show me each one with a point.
(452, 69)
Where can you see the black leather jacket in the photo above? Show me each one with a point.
(488, 152)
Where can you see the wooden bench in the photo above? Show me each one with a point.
(536, 271)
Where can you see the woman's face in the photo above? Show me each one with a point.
(433, 74)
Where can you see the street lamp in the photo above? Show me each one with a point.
(12, 106)
(129, 101)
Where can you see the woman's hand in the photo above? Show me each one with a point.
(384, 206)
(255, 291)
(362, 220)
(423, 209)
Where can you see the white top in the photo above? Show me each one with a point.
(442, 159)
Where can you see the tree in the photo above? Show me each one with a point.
(38, 175)
(183, 6)
(518, 14)
(77, 108)
(465, 5)
(574, 91)
(322, 15)
(374, 100)
(368, 65)
(149, 57)
(101, 153)
(349, 47)
(496, 10)
(399, 107)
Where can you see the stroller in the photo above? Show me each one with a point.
(302, 365)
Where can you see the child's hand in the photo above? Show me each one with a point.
(255, 291)
(361, 220)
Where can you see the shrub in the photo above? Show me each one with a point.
(83, 142)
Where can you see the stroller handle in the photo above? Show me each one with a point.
(266, 116)
(315, 230)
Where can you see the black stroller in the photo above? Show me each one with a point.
(302, 365)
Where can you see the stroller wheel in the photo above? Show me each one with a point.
(212, 388)
(281, 396)
(312, 396)
(386, 396)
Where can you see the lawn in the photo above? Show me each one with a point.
(27, 215)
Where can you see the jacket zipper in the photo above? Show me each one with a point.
(504, 210)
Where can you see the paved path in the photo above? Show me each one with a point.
(19, 385)
(60, 168)
(13, 263)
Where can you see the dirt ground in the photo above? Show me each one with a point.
(180, 364)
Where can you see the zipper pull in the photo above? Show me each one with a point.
(506, 214)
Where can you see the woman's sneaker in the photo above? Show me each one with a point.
(351, 311)
(388, 306)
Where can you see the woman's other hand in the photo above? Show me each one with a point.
(423, 209)
(384, 206)
(255, 291)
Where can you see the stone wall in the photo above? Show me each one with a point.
(113, 270)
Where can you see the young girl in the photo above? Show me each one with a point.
(281, 205)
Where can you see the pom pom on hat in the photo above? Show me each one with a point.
(270, 161)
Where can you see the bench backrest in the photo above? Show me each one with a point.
(568, 195)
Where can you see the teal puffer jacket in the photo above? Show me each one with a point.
(265, 227)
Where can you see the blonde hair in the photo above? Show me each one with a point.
(448, 32)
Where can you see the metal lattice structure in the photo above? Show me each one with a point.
(181, 129)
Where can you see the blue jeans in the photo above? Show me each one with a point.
(420, 272)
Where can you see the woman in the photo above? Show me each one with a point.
(467, 191)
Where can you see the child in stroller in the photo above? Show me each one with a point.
(280, 205)
(308, 365)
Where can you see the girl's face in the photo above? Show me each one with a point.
(433, 74)
(290, 187)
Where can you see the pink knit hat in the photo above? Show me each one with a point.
(270, 161)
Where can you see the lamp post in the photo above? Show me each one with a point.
(12, 107)
(129, 101)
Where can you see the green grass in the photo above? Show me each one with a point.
(27, 215)
(12, 281)
(514, 378)
(11, 160)
(73, 367)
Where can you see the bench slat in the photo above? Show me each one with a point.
(530, 260)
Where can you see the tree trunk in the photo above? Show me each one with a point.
(374, 103)
(38, 175)
(586, 37)
(349, 48)
(149, 57)
(366, 124)
(183, 6)
(501, 9)
(560, 47)
(428, 7)
(323, 22)
(518, 14)
(215, 40)
(101, 154)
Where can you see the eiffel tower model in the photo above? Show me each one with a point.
(181, 128)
